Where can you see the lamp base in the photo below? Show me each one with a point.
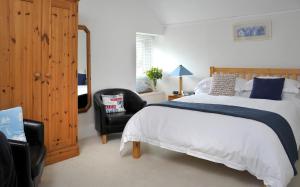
(180, 92)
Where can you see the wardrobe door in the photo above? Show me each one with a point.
(61, 80)
(5, 78)
(20, 60)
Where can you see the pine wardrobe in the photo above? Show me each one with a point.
(38, 68)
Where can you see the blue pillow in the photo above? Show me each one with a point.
(11, 124)
(267, 88)
(81, 79)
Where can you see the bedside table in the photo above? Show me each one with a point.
(172, 97)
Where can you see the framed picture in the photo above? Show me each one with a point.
(252, 31)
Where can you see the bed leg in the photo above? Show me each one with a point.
(104, 138)
(136, 150)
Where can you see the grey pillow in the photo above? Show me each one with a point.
(223, 84)
(143, 86)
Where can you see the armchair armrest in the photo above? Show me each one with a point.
(134, 102)
(22, 161)
(143, 104)
(100, 114)
(8, 176)
(34, 132)
(99, 106)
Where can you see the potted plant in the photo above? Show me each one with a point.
(154, 74)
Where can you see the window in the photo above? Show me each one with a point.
(144, 52)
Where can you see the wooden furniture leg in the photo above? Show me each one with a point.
(104, 139)
(136, 150)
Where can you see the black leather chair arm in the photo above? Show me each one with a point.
(133, 102)
(22, 162)
(8, 176)
(34, 132)
(143, 104)
(100, 114)
(99, 104)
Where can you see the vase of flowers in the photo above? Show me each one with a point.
(154, 74)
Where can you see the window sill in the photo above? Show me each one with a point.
(154, 97)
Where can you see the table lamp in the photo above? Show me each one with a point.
(179, 72)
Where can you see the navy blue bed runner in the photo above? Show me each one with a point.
(275, 121)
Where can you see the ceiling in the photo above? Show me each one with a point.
(182, 11)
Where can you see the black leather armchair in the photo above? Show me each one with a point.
(115, 122)
(8, 177)
(29, 156)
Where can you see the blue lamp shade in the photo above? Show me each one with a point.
(181, 71)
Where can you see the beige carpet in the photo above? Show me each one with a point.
(102, 166)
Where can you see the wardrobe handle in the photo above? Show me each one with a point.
(37, 76)
(48, 76)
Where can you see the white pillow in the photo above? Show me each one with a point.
(285, 96)
(290, 96)
(204, 85)
(240, 84)
(245, 94)
(290, 86)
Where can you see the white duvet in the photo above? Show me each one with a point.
(238, 143)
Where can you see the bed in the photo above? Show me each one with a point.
(82, 96)
(82, 90)
(239, 143)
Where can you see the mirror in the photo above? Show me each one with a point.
(84, 69)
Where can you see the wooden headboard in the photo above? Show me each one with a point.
(249, 73)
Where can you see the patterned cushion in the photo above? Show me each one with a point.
(113, 103)
(223, 85)
(11, 124)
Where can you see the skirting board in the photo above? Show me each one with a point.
(62, 154)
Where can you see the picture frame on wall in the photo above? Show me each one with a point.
(259, 30)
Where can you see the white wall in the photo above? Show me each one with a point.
(183, 11)
(210, 43)
(113, 25)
